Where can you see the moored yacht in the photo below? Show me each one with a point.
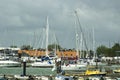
(46, 61)
(43, 64)
(9, 63)
(73, 67)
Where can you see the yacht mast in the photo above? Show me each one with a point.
(47, 35)
(77, 40)
(94, 44)
(82, 32)
(81, 46)
(55, 45)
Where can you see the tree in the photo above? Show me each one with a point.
(26, 47)
(111, 52)
(116, 49)
(102, 50)
(54, 46)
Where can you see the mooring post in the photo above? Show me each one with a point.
(24, 67)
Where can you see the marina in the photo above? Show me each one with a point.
(57, 64)
(74, 70)
(52, 76)
(59, 40)
(36, 73)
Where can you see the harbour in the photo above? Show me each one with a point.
(58, 68)
(29, 71)
(16, 73)
(59, 40)
(52, 77)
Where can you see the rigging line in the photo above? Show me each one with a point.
(43, 39)
(77, 38)
(39, 40)
(81, 31)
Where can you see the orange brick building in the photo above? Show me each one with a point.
(68, 53)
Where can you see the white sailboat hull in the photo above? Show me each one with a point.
(9, 63)
(42, 64)
(73, 67)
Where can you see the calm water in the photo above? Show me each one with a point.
(29, 71)
(35, 71)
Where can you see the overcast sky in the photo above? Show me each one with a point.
(23, 20)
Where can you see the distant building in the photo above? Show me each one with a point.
(39, 53)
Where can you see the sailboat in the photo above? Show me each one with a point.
(81, 63)
(91, 71)
(46, 62)
(77, 66)
(60, 74)
(4, 62)
(9, 63)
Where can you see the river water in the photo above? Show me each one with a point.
(29, 71)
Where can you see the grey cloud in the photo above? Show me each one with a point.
(24, 17)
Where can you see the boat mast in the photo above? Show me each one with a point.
(47, 35)
(81, 31)
(81, 45)
(94, 45)
(43, 39)
(77, 40)
(55, 45)
(95, 55)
